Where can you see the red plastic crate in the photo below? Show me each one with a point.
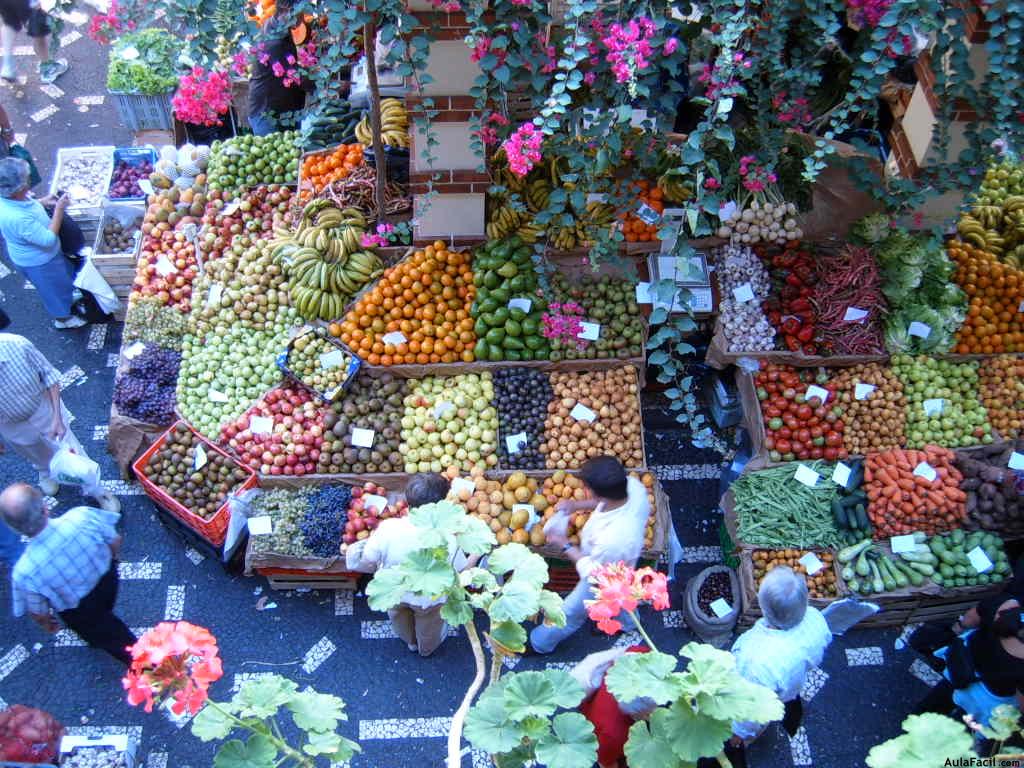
(213, 530)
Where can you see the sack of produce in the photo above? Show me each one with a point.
(703, 609)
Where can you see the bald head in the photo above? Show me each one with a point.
(23, 509)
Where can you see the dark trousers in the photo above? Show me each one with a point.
(94, 621)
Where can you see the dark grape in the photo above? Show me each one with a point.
(322, 524)
(523, 395)
(144, 390)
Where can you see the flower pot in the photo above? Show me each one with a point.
(711, 629)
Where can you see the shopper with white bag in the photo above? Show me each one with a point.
(34, 422)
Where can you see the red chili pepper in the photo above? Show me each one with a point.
(792, 344)
(806, 333)
(791, 326)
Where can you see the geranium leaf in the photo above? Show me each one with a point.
(694, 735)
(570, 744)
(553, 607)
(428, 574)
(444, 517)
(928, 740)
(648, 675)
(386, 588)
(322, 743)
(516, 758)
(521, 561)
(211, 724)
(529, 694)
(516, 601)
(650, 746)
(720, 692)
(262, 696)
(478, 578)
(568, 692)
(314, 711)
(509, 635)
(257, 752)
(1003, 722)
(535, 727)
(474, 536)
(488, 727)
(456, 609)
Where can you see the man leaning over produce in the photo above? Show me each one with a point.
(780, 649)
(33, 420)
(614, 532)
(417, 620)
(69, 567)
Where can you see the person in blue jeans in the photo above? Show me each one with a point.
(614, 533)
(11, 545)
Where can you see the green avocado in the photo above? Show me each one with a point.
(480, 349)
(521, 283)
(495, 336)
(508, 269)
(500, 316)
(511, 342)
(495, 354)
(480, 327)
(501, 251)
(488, 305)
(533, 342)
(513, 355)
(516, 314)
(513, 327)
(500, 296)
(526, 353)
(531, 326)
(492, 279)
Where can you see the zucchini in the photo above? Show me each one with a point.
(856, 475)
(901, 579)
(862, 568)
(913, 576)
(847, 554)
(854, 585)
(888, 578)
(925, 569)
(849, 574)
(862, 517)
(877, 583)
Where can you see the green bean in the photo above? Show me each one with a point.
(775, 510)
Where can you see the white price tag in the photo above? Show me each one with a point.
(743, 293)
(589, 331)
(920, 329)
(934, 406)
(528, 508)
(806, 475)
(332, 359)
(380, 503)
(523, 304)
(443, 408)
(395, 338)
(261, 526)
(979, 560)
(643, 293)
(216, 291)
(720, 608)
(164, 266)
(863, 391)
(146, 186)
(1016, 461)
(927, 471)
(841, 474)
(261, 425)
(901, 544)
(727, 210)
(515, 443)
(133, 350)
(580, 412)
(230, 208)
(217, 396)
(811, 563)
(460, 484)
(190, 231)
(647, 215)
(200, 458)
(596, 197)
(855, 315)
(815, 391)
(362, 438)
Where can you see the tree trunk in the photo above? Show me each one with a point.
(370, 50)
(455, 734)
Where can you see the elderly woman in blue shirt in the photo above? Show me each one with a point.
(33, 243)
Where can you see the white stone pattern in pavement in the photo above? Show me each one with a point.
(673, 619)
(404, 728)
(73, 375)
(687, 471)
(626, 639)
(4, 269)
(382, 630)
(864, 657)
(140, 570)
(45, 113)
(100, 432)
(565, 666)
(702, 555)
(816, 679)
(122, 488)
(194, 555)
(24, 50)
(71, 37)
(89, 101)
(317, 655)
(97, 337)
(52, 91)
(924, 673)
(133, 732)
(343, 602)
(156, 760)
(113, 358)
(10, 660)
(800, 748)
(3, 705)
(174, 608)
(240, 678)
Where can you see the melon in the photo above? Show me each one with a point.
(169, 154)
(185, 154)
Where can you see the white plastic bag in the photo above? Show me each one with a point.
(89, 279)
(558, 524)
(70, 468)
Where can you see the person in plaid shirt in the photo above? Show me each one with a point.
(69, 567)
(33, 420)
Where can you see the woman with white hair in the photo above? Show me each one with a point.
(781, 648)
(33, 243)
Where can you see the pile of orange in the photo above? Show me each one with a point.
(320, 169)
(426, 298)
(635, 229)
(994, 292)
(999, 389)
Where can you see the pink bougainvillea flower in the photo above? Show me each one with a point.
(202, 98)
(671, 45)
(711, 183)
(176, 661)
(522, 149)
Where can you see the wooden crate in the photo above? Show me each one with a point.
(119, 271)
(296, 578)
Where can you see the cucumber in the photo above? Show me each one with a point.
(853, 499)
(862, 517)
(856, 475)
(847, 554)
(839, 514)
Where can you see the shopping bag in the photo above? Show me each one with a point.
(70, 468)
(89, 279)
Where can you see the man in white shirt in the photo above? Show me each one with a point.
(614, 532)
(782, 647)
(417, 620)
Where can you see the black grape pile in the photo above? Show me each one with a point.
(325, 519)
(145, 389)
(522, 395)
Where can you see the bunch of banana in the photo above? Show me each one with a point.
(394, 125)
(564, 238)
(530, 232)
(537, 193)
(505, 220)
(673, 189)
(325, 259)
